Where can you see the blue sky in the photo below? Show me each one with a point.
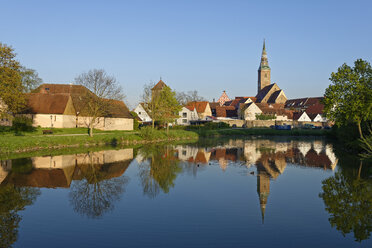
(209, 46)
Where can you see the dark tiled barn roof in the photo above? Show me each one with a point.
(46, 103)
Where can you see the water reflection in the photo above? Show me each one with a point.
(97, 180)
(158, 169)
(12, 200)
(348, 198)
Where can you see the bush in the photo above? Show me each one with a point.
(149, 133)
(22, 124)
(265, 117)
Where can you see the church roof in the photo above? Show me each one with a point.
(274, 96)
(263, 92)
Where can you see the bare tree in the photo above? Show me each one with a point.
(96, 101)
(191, 96)
(30, 79)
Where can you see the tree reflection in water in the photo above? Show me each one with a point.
(95, 193)
(348, 199)
(12, 200)
(159, 170)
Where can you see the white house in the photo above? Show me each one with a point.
(249, 111)
(301, 117)
(142, 114)
(317, 118)
(187, 114)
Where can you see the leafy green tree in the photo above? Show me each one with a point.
(12, 99)
(349, 97)
(12, 200)
(168, 106)
(163, 106)
(349, 202)
(30, 79)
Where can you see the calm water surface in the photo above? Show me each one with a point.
(256, 192)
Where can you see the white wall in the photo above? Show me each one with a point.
(142, 114)
(54, 120)
(190, 116)
(250, 113)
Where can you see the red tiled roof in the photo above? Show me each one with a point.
(226, 111)
(200, 106)
(315, 109)
(189, 107)
(275, 108)
(61, 88)
(213, 105)
(160, 85)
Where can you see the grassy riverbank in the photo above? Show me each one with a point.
(31, 142)
(74, 138)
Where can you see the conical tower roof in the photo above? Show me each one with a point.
(264, 65)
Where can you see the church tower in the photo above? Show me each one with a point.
(263, 71)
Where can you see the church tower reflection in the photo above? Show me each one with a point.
(263, 189)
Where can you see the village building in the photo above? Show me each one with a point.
(202, 108)
(187, 114)
(249, 111)
(315, 112)
(63, 106)
(301, 117)
(223, 98)
(226, 112)
(142, 113)
(302, 104)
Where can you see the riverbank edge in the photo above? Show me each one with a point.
(52, 143)
(26, 144)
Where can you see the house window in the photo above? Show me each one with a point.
(184, 120)
(184, 152)
(139, 113)
(46, 88)
(184, 115)
(55, 118)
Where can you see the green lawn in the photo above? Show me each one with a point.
(6, 131)
(33, 141)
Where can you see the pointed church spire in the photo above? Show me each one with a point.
(263, 70)
(263, 208)
(264, 62)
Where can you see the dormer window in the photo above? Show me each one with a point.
(46, 88)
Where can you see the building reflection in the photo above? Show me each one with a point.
(269, 157)
(60, 171)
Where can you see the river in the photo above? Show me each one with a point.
(254, 192)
